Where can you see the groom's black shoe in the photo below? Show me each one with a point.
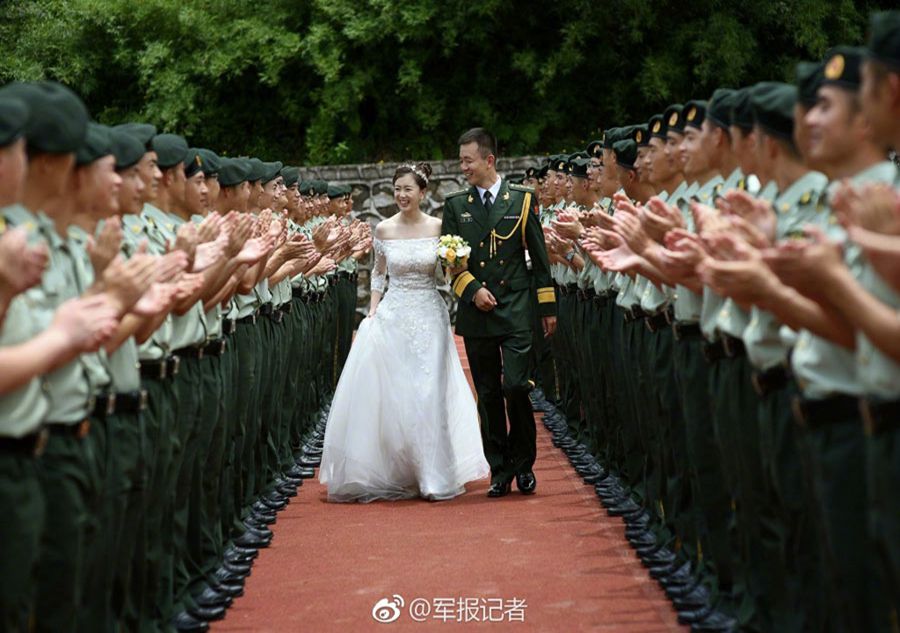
(499, 488)
(526, 483)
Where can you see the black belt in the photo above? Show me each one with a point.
(658, 321)
(31, 445)
(713, 352)
(734, 347)
(634, 313)
(773, 379)
(191, 351)
(298, 293)
(818, 413)
(122, 402)
(880, 416)
(286, 307)
(78, 430)
(601, 300)
(586, 294)
(229, 327)
(160, 369)
(682, 330)
(251, 319)
(345, 274)
(266, 309)
(215, 347)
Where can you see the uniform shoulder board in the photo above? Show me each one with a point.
(453, 194)
(516, 187)
(806, 197)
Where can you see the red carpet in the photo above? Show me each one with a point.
(466, 559)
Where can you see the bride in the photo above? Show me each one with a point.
(403, 422)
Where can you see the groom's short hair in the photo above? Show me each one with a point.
(487, 144)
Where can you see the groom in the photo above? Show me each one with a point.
(499, 222)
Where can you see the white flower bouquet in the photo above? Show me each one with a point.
(453, 251)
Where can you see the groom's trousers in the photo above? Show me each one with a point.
(500, 366)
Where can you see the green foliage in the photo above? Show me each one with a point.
(364, 80)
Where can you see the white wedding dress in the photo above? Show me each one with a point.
(403, 422)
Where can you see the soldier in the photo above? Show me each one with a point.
(493, 314)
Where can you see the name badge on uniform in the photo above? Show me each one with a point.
(466, 217)
(510, 217)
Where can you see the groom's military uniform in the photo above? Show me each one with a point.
(498, 343)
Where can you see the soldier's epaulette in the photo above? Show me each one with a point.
(453, 194)
(807, 197)
(516, 187)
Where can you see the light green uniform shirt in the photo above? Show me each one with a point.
(688, 304)
(795, 207)
(136, 229)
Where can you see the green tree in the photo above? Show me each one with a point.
(329, 81)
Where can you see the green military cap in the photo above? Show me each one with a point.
(718, 111)
(809, 77)
(170, 149)
(306, 187)
(560, 162)
(335, 191)
(271, 171)
(580, 167)
(610, 136)
(127, 148)
(657, 127)
(542, 172)
(257, 169)
(741, 109)
(694, 112)
(13, 120)
(842, 67)
(193, 162)
(96, 144)
(595, 148)
(626, 152)
(531, 172)
(211, 161)
(884, 38)
(673, 119)
(516, 179)
(773, 107)
(233, 171)
(581, 154)
(320, 187)
(144, 132)
(641, 135)
(291, 175)
(57, 117)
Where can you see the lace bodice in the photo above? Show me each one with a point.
(409, 263)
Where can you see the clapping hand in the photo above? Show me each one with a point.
(21, 265)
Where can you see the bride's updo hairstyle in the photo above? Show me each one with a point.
(420, 172)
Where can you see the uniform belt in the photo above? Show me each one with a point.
(277, 316)
(78, 430)
(773, 379)
(298, 293)
(159, 369)
(121, 402)
(215, 347)
(345, 274)
(286, 307)
(229, 326)
(658, 321)
(250, 319)
(265, 309)
(601, 300)
(880, 416)
(734, 347)
(713, 352)
(634, 313)
(814, 414)
(32, 444)
(682, 330)
(190, 351)
(586, 294)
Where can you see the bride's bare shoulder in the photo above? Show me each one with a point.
(434, 226)
(385, 229)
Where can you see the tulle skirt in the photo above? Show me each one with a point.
(403, 422)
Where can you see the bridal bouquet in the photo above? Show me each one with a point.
(453, 251)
